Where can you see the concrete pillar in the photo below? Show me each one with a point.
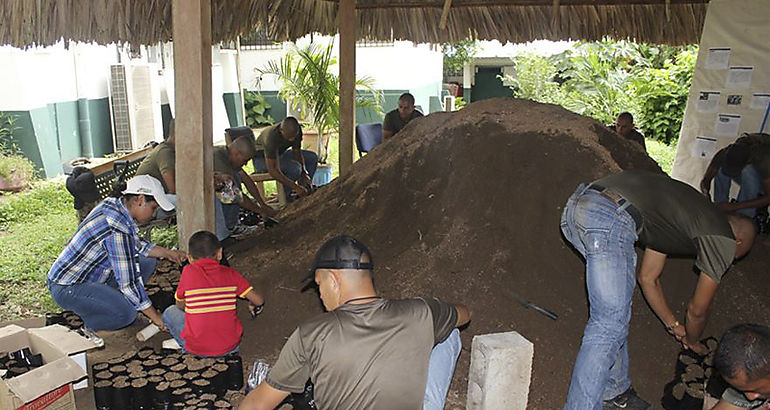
(501, 369)
(192, 86)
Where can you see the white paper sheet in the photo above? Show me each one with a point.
(727, 125)
(704, 147)
(718, 58)
(739, 77)
(708, 101)
(759, 101)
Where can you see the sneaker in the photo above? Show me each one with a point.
(92, 336)
(241, 231)
(627, 400)
(171, 344)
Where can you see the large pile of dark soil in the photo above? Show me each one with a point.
(465, 206)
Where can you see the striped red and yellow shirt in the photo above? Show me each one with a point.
(210, 292)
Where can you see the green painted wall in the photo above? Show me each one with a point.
(165, 115)
(389, 103)
(95, 128)
(277, 105)
(59, 132)
(68, 129)
(234, 108)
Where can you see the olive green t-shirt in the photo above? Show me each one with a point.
(158, 161)
(394, 123)
(222, 163)
(678, 220)
(759, 155)
(368, 356)
(272, 144)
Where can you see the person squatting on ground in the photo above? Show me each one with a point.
(294, 169)
(228, 176)
(397, 119)
(743, 360)
(603, 221)
(365, 352)
(101, 272)
(747, 162)
(204, 321)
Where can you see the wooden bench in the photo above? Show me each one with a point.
(106, 174)
(259, 181)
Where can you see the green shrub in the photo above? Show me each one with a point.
(16, 166)
(256, 107)
(604, 78)
(662, 153)
(166, 237)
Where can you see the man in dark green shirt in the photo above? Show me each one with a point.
(160, 162)
(293, 169)
(397, 119)
(603, 221)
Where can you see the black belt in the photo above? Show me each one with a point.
(617, 199)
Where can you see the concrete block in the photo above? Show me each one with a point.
(500, 372)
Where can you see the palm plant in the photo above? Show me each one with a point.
(309, 84)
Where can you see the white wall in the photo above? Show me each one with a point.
(403, 65)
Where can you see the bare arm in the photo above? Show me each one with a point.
(264, 397)
(386, 134)
(262, 208)
(463, 315)
(170, 180)
(649, 280)
(275, 171)
(155, 317)
(711, 172)
(305, 176)
(172, 255)
(698, 310)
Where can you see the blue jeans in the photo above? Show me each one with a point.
(751, 188)
(604, 234)
(441, 367)
(173, 318)
(289, 165)
(101, 305)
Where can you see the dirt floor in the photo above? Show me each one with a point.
(465, 207)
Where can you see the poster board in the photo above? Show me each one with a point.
(730, 90)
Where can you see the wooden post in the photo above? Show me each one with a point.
(346, 21)
(192, 95)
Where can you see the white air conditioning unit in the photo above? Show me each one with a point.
(135, 103)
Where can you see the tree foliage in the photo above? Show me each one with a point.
(458, 53)
(602, 79)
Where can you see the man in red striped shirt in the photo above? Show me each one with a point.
(204, 321)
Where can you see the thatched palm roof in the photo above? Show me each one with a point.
(44, 22)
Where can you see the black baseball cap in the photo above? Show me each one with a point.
(736, 159)
(342, 252)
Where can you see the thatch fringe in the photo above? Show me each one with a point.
(45, 22)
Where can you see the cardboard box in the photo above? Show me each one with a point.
(50, 386)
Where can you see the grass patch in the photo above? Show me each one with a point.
(662, 154)
(34, 227)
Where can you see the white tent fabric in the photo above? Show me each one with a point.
(731, 84)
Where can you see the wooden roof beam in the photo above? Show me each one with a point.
(516, 3)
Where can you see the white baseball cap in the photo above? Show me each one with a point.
(147, 185)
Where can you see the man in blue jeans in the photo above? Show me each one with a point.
(603, 221)
(294, 169)
(365, 352)
(747, 162)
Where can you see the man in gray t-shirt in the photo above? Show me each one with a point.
(743, 360)
(366, 352)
